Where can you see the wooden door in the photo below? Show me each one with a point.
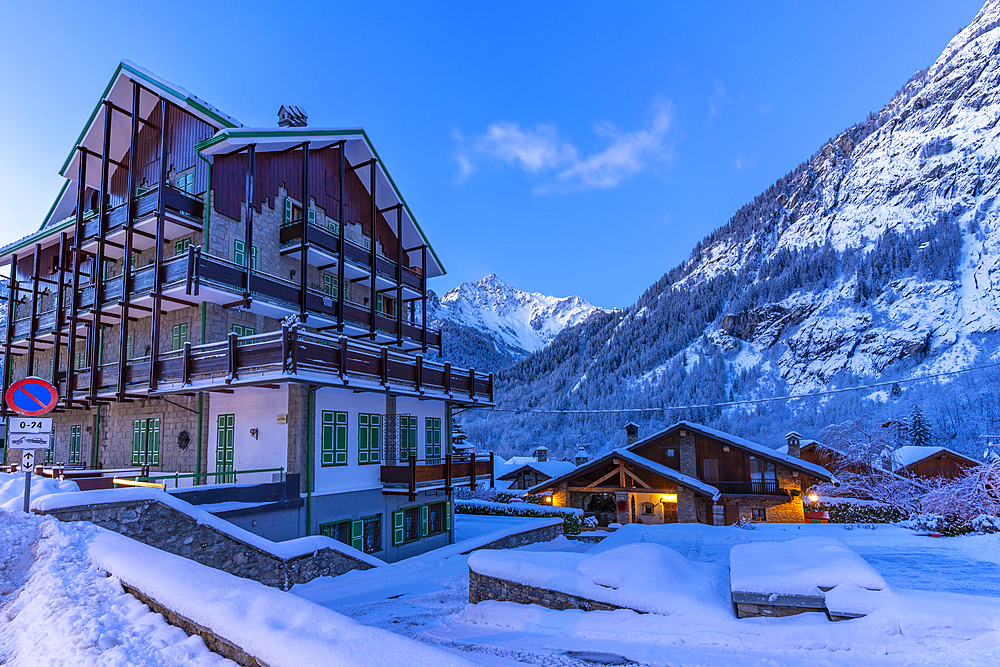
(224, 449)
(711, 470)
(732, 514)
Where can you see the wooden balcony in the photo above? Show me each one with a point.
(290, 355)
(429, 474)
(183, 214)
(195, 277)
(753, 488)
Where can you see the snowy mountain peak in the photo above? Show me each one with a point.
(525, 321)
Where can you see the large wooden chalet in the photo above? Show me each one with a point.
(212, 299)
(691, 474)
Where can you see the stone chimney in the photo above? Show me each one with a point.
(632, 433)
(581, 456)
(541, 454)
(794, 444)
(292, 116)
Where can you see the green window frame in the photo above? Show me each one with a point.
(244, 330)
(333, 226)
(185, 182)
(79, 360)
(379, 303)
(407, 438)
(75, 435)
(182, 246)
(432, 439)
(225, 448)
(435, 524)
(368, 244)
(311, 216)
(178, 336)
(146, 441)
(369, 438)
(330, 284)
(339, 530)
(372, 533)
(333, 438)
(411, 524)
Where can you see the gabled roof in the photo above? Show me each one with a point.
(358, 149)
(792, 462)
(909, 455)
(547, 468)
(640, 461)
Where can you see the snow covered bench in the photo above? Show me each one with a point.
(806, 574)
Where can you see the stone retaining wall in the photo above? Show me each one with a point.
(161, 526)
(543, 534)
(483, 587)
(215, 643)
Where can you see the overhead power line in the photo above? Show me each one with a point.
(754, 401)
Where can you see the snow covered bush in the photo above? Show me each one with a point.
(848, 512)
(975, 493)
(590, 522)
(572, 518)
(746, 523)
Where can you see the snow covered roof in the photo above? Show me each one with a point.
(547, 468)
(520, 460)
(642, 462)
(765, 452)
(911, 454)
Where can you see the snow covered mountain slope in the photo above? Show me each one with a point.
(878, 258)
(512, 321)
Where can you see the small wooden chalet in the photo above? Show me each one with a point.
(534, 473)
(908, 461)
(689, 473)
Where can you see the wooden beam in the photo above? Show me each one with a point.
(642, 483)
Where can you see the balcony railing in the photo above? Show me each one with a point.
(753, 488)
(146, 204)
(270, 356)
(447, 473)
(195, 270)
(354, 253)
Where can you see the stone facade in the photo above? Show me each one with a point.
(166, 528)
(482, 587)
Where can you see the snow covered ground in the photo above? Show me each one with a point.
(427, 598)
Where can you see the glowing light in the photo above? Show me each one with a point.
(668, 498)
(548, 500)
(813, 498)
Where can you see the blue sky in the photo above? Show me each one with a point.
(571, 148)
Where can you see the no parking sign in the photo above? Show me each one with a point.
(30, 397)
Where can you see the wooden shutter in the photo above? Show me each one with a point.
(397, 528)
(358, 535)
(311, 216)
(375, 440)
(327, 439)
(423, 521)
(363, 444)
(288, 211)
(153, 441)
(340, 439)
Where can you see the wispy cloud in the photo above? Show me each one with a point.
(559, 166)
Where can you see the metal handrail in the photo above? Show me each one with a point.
(177, 476)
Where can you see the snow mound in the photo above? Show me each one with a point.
(645, 577)
(12, 489)
(803, 566)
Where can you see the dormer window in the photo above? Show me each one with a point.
(185, 182)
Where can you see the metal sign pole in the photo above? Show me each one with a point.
(27, 464)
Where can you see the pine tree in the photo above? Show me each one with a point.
(920, 430)
(895, 392)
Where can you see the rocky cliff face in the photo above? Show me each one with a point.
(877, 258)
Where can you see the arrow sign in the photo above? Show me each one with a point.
(27, 460)
(31, 397)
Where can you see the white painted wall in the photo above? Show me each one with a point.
(257, 408)
(354, 476)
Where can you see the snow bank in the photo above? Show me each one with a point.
(12, 489)
(642, 576)
(803, 566)
(285, 550)
(276, 627)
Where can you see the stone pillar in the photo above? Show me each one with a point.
(792, 511)
(298, 431)
(689, 462)
(560, 496)
(622, 510)
(390, 432)
(687, 509)
(632, 433)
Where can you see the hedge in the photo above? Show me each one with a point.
(859, 513)
(572, 518)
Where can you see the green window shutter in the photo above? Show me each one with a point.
(363, 433)
(423, 521)
(288, 211)
(341, 439)
(397, 528)
(327, 449)
(375, 440)
(358, 535)
(311, 216)
(253, 258)
(379, 303)
(239, 253)
(153, 440)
